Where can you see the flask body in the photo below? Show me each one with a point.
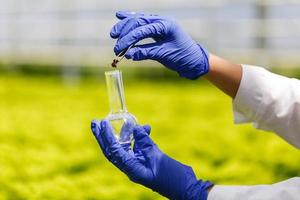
(120, 119)
(122, 124)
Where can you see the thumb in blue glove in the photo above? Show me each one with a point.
(173, 47)
(147, 165)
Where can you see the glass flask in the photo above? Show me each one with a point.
(120, 119)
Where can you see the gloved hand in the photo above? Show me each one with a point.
(147, 165)
(173, 47)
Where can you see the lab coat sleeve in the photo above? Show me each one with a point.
(286, 190)
(270, 101)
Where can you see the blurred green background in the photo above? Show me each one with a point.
(53, 54)
(47, 150)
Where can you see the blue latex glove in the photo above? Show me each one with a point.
(173, 47)
(147, 165)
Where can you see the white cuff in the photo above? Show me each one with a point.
(269, 101)
(247, 103)
(286, 190)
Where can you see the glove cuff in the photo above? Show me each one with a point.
(201, 190)
(203, 66)
(195, 189)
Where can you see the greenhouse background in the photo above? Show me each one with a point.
(53, 55)
(77, 32)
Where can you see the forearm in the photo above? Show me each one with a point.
(225, 75)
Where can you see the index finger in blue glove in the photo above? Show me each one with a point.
(126, 25)
(147, 128)
(119, 157)
(143, 52)
(140, 33)
(117, 28)
(141, 138)
(124, 14)
(96, 129)
(131, 22)
(126, 130)
(136, 148)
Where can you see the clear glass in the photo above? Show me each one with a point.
(121, 120)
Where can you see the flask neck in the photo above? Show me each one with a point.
(114, 84)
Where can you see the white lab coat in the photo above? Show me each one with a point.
(271, 102)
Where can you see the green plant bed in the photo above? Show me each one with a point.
(47, 150)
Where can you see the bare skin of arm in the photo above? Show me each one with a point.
(224, 75)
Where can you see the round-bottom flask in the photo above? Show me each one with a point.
(120, 119)
(122, 125)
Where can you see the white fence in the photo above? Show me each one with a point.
(76, 32)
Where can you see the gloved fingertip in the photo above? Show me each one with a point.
(104, 124)
(133, 54)
(95, 127)
(113, 34)
(120, 14)
(134, 130)
(147, 128)
(116, 50)
(139, 132)
(130, 54)
(137, 129)
(129, 123)
(123, 14)
(94, 123)
(115, 31)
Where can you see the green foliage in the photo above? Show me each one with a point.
(47, 150)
